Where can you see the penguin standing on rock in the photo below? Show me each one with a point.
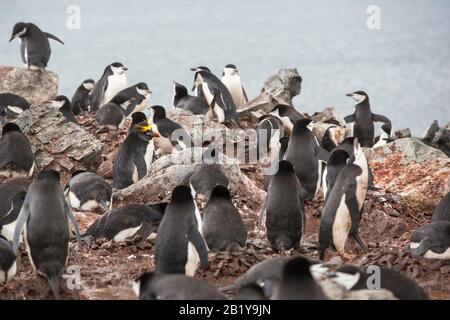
(16, 156)
(232, 80)
(307, 163)
(45, 215)
(135, 155)
(12, 105)
(400, 286)
(342, 213)
(63, 104)
(217, 95)
(88, 191)
(112, 82)
(8, 265)
(34, 47)
(8, 221)
(223, 227)
(125, 222)
(154, 286)
(139, 92)
(363, 118)
(182, 100)
(298, 283)
(180, 246)
(171, 134)
(283, 208)
(80, 100)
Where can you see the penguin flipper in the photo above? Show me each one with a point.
(323, 154)
(197, 240)
(350, 118)
(141, 166)
(21, 220)
(355, 214)
(71, 217)
(245, 94)
(381, 118)
(50, 36)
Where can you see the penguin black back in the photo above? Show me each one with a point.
(338, 160)
(179, 244)
(80, 99)
(222, 224)
(442, 210)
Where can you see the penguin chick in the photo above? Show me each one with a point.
(44, 215)
(16, 156)
(88, 191)
(432, 241)
(182, 100)
(180, 246)
(125, 222)
(341, 214)
(154, 286)
(283, 208)
(80, 100)
(400, 286)
(8, 265)
(297, 282)
(63, 104)
(222, 224)
(135, 155)
(171, 134)
(34, 47)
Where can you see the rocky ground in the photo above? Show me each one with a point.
(107, 269)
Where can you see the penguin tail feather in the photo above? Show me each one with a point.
(54, 286)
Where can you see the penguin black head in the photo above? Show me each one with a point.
(358, 96)
(138, 117)
(88, 84)
(301, 125)
(200, 68)
(181, 194)
(142, 129)
(142, 89)
(230, 69)
(20, 29)
(338, 157)
(297, 267)
(9, 127)
(179, 90)
(61, 102)
(117, 68)
(158, 112)
(285, 167)
(220, 191)
(48, 174)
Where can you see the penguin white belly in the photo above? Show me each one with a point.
(362, 180)
(152, 236)
(74, 201)
(27, 246)
(149, 151)
(26, 53)
(234, 85)
(208, 95)
(219, 113)
(8, 231)
(193, 261)
(383, 139)
(135, 176)
(199, 219)
(319, 177)
(341, 226)
(141, 106)
(324, 182)
(7, 275)
(125, 234)
(14, 109)
(164, 144)
(90, 205)
(116, 83)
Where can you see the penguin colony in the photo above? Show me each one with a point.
(37, 212)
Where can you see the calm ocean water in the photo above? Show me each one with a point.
(404, 67)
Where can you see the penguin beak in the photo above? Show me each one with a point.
(124, 68)
(349, 94)
(194, 69)
(12, 38)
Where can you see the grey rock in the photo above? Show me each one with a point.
(35, 86)
(57, 143)
(329, 115)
